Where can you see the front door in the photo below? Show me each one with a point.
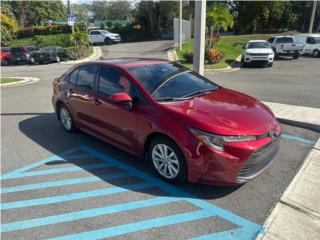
(115, 122)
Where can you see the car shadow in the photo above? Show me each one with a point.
(44, 130)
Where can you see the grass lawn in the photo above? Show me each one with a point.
(9, 80)
(230, 45)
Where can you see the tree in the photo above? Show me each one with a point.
(81, 11)
(219, 17)
(111, 10)
(30, 13)
(8, 28)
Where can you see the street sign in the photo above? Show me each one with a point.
(71, 19)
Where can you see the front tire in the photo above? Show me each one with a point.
(167, 160)
(270, 64)
(108, 41)
(66, 119)
(316, 53)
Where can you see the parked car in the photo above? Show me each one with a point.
(49, 54)
(103, 36)
(286, 46)
(5, 56)
(22, 54)
(187, 126)
(311, 43)
(257, 52)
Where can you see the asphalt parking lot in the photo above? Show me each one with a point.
(73, 186)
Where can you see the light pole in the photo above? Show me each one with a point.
(180, 25)
(199, 36)
(312, 15)
(70, 15)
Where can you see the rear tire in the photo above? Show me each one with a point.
(66, 119)
(167, 159)
(5, 62)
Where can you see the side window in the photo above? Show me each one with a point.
(86, 76)
(310, 40)
(111, 81)
(73, 76)
(270, 40)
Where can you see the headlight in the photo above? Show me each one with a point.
(217, 141)
(248, 54)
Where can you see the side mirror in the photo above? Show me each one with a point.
(122, 98)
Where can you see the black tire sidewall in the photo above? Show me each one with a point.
(182, 175)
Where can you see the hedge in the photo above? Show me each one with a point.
(47, 30)
(63, 40)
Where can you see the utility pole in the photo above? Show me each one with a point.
(199, 36)
(70, 15)
(180, 25)
(312, 15)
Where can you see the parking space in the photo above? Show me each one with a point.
(289, 81)
(94, 191)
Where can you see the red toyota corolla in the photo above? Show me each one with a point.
(187, 126)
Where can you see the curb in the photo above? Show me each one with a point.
(172, 56)
(97, 53)
(27, 80)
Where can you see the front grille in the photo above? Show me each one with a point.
(259, 160)
(259, 54)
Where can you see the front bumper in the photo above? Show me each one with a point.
(258, 59)
(239, 163)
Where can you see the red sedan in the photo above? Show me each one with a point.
(187, 126)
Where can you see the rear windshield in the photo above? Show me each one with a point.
(285, 40)
(151, 76)
(4, 50)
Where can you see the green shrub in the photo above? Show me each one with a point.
(63, 40)
(80, 38)
(211, 56)
(188, 56)
(8, 28)
(78, 52)
(43, 30)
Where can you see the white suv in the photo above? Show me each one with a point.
(103, 36)
(257, 51)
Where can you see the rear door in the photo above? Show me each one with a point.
(80, 95)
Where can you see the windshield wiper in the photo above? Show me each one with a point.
(168, 99)
(198, 92)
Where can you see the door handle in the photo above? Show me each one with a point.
(97, 101)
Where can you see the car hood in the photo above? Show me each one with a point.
(259, 50)
(225, 112)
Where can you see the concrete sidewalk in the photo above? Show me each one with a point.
(306, 117)
(297, 213)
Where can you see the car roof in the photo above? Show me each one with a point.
(284, 36)
(257, 41)
(131, 62)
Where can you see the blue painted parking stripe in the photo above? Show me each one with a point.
(298, 139)
(138, 226)
(64, 182)
(58, 170)
(39, 163)
(73, 196)
(86, 213)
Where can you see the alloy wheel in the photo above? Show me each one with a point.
(165, 161)
(65, 118)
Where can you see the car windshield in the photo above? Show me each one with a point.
(150, 76)
(183, 85)
(317, 40)
(258, 45)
